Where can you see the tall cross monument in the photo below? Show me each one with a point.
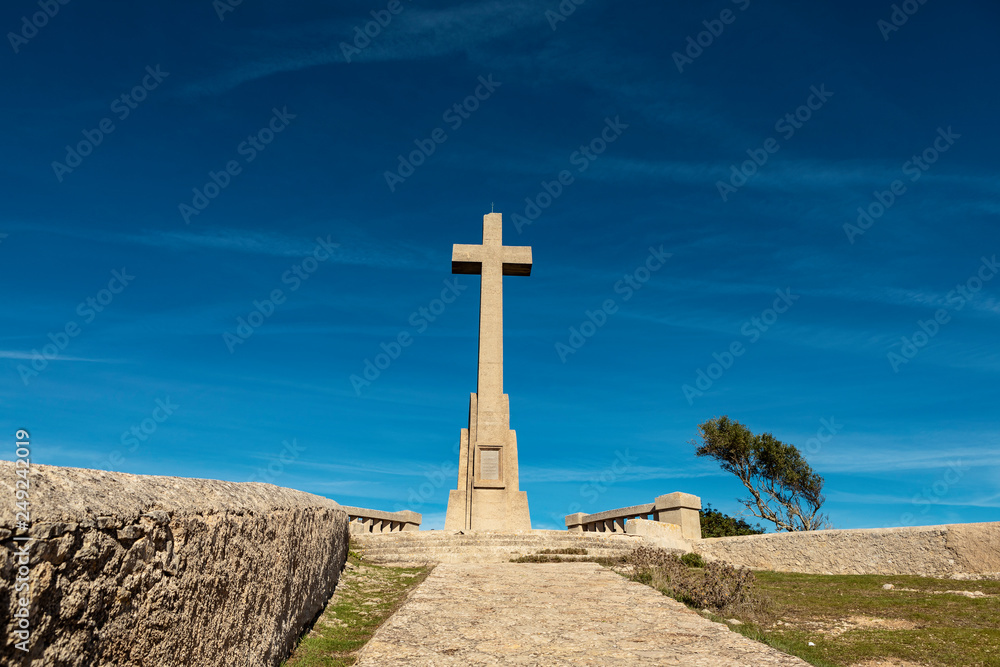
(487, 497)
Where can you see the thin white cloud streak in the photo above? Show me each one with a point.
(17, 354)
(788, 174)
(533, 475)
(399, 468)
(414, 34)
(877, 459)
(354, 250)
(888, 499)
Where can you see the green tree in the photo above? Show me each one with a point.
(716, 524)
(783, 488)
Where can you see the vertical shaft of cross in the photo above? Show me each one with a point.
(490, 380)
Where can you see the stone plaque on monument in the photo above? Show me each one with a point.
(490, 460)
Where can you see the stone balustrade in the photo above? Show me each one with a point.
(375, 521)
(681, 509)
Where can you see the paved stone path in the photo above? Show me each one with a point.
(553, 614)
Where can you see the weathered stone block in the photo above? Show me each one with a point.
(146, 570)
(682, 509)
(663, 535)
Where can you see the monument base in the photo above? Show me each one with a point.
(487, 497)
(494, 510)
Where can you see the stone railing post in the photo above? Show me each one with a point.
(574, 522)
(409, 520)
(681, 509)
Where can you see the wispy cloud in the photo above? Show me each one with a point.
(889, 499)
(355, 249)
(17, 354)
(632, 474)
(414, 34)
(878, 459)
(399, 468)
(790, 174)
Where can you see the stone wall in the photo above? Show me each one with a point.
(146, 570)
(967, 550)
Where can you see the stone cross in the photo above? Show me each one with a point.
(492, 260)
(487, 497)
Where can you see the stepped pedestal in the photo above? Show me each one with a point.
(487, 497)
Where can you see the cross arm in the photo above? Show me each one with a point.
(467, 259)
(517, 260)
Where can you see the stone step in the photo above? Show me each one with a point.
(511, 548)
(375, 544)
(599, 551)
(505, 539)
(486, 547)
(440, 536)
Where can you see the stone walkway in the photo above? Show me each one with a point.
(553, 614)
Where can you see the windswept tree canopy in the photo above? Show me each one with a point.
(783, 488)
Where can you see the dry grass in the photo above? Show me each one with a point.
(719, 587)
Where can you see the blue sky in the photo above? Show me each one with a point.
(249, 157)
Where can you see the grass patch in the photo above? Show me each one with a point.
(849, 619)
(852, 619)
(366, 596)
(570, 551)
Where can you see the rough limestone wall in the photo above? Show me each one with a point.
(966, 550)
(145, 570)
